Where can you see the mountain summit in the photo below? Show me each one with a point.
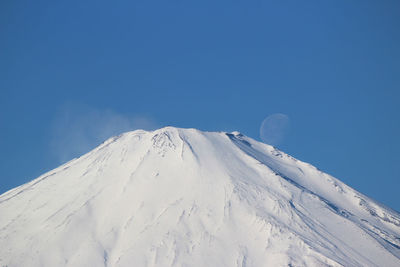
(183, 197)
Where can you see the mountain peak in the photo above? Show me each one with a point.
(179, 197)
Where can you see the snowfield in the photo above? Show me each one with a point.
(183, 197)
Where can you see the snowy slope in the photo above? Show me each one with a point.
(182, 197)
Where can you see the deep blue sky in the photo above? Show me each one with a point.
(74, 72)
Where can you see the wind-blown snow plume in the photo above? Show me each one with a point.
(77, 129)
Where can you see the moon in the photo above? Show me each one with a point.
(274, 128)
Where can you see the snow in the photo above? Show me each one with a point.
(183, 197)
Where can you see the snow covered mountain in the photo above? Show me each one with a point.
(182, 197)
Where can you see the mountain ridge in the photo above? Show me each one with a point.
(183, 197)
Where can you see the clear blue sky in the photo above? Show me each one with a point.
(74, 72)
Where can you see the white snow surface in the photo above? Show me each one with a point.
(183, 197)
